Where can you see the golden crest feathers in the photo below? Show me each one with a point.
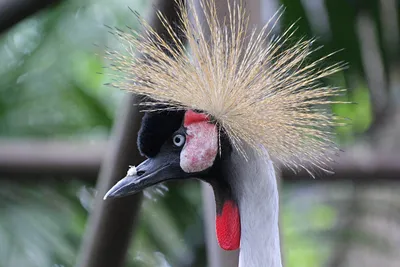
(258, 93)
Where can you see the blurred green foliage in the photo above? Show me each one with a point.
(40, 224)
(50, 87)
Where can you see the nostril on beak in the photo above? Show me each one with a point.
(140, 173)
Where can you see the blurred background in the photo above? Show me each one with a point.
(56, 118)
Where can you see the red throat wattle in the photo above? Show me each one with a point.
(228, 226)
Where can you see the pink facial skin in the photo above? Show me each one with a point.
(201, 145)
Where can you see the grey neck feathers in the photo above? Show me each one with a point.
(254, 185)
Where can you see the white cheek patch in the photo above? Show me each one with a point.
(201, 147)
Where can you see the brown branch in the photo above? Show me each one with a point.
(13, 11)
(47, 159)
(111, 223)
(78, 160)
(358, 165)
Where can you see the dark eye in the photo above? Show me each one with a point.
(179, 140)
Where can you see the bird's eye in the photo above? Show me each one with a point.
(179, 140)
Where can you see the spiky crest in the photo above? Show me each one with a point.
(257, 93)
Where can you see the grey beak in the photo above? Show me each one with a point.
(148, 173)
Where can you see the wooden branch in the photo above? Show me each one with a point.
(51, 159)
(358, 165)
(24, 159)
(13, 11)
(112, 222)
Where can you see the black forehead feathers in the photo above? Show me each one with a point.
(156, 128)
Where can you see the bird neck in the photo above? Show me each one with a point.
(257, 195)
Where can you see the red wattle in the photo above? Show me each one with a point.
(228, 226)
(193, 117)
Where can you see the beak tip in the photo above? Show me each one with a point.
(113, 192)
(118, 189)
(107, 195)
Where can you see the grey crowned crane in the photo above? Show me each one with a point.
(222, 109)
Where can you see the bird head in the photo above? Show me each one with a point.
(177, 145)
(184, 145)
(220, 91)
